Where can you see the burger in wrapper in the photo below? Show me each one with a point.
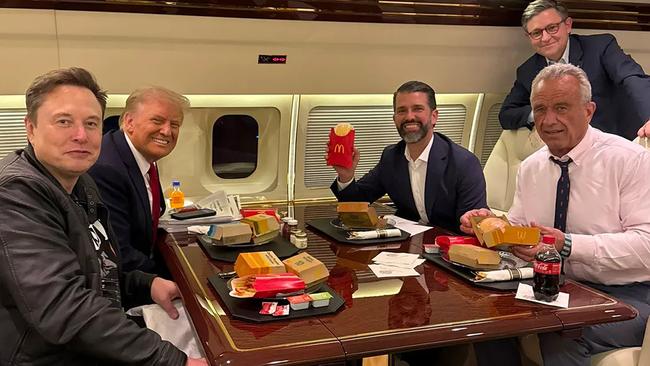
(341, 145)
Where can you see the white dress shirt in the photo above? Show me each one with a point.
(608, 215)
(143, 165)
(418, 177)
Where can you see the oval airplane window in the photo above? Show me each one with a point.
(234, 146)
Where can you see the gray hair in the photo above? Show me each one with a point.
(142, 94)
(538, 6)
(558, 71)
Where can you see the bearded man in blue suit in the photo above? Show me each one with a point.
(428, 177)
(621, 88)
(127, 174)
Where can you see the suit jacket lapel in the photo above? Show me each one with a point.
(436, 165)
(575, 51)
(137, 180)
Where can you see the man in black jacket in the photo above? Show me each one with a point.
(61, 285)
(428, 177)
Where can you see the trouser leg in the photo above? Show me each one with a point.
(558, 350)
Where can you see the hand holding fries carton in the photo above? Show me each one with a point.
(341, 145)
(493, 231)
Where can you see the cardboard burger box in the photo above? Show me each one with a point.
(310, 269)
(261, 223)
(258, 263)
(474, 257)
(493, 231)
(358, 214)
(229, 234)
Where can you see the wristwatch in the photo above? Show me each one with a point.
(566, 249)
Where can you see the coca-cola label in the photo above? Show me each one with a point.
(547, 268)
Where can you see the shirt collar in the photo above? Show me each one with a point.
(143, 164)
(580, 149)
(424, 156)
(565, 56)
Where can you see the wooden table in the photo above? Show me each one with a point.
(380, 316)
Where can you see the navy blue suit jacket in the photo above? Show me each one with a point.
(454, 184)
(123, 191)
(620, 87)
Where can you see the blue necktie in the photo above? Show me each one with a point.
(562, 195)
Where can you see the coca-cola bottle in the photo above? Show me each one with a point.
(547, 266)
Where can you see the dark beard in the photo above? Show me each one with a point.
(415, 136)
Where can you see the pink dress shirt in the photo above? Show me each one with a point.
(609, 212)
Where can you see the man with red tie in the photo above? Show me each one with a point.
(127, 174)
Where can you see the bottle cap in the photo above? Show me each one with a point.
(286, 219)
(548, 239)
(292, 222)
(176, 183)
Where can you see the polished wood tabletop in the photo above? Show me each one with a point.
(380, 315)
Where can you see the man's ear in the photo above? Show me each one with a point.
(569, 24)
(127, 123)
(434, 117)
(29, 127)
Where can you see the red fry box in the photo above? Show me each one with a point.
(340, 149)
(444, 242)
(246, 212)
(270, 285)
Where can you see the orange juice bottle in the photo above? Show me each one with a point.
(176, 197)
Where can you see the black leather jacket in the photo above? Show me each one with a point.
(51, 308)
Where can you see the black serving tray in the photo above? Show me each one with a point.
(279, 245)
(468, 275)
(324, 226)
(248, 309)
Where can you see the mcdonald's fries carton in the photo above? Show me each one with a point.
(358, 215)
(258, 263)
(341, 145)
(310, 269)
(493, 231)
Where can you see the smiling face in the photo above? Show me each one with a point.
(67, 133)
(413, 117)
(561, 115)
(153, 126)
(548, 45)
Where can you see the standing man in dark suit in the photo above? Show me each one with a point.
(429, 178)
(621, 87)
(127, 175)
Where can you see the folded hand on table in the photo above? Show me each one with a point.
(163, 292)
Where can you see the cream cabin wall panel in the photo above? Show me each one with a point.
(29, 47)
(219, 55)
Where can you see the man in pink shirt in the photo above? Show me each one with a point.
(586, 188)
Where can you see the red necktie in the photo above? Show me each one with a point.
(154, 184)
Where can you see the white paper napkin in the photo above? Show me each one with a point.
(525, 292)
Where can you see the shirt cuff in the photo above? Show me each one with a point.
(583, 248)
(343, 186)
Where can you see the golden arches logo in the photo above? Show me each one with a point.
(339, 149)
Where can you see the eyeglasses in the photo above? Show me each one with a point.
(550, 29)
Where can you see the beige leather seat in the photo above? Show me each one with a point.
(501, 167)
(632, 356)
